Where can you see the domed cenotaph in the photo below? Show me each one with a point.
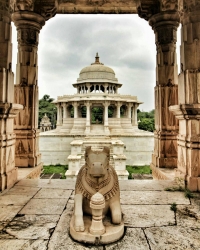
(97, 116)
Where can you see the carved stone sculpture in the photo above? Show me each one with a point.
(97, 195)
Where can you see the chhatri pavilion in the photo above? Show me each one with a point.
(97, 90)
(97, 115)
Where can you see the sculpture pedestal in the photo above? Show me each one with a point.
(113, 232)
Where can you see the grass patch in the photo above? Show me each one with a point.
(61, 169)
(138, 170)
(55, 169)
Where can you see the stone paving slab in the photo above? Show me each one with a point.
(41, 221)
(18, 190)
(134, 239)
(145, 185)
(23, 244)
(3, 224)
(32, 226)
(14, 199)
(8, 212)
(147, 215)
(53, 193)
(152, 197)
(61, 239)
(173, 238)
(44, 206)
(188, 216)
(42, 183)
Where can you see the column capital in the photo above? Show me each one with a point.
(187, 7)
(130, 104)
(189, 14)
(88, 104)
(58, 104)
(106, 103)
(64, 104)
(147, 9)
(75, 104)
(28, 18)
(47, 9)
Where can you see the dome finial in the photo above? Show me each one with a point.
(97, 58)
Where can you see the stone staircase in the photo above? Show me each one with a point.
(77, 157)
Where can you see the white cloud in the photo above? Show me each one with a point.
(124, 42)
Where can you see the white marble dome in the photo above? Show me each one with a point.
(97, 72)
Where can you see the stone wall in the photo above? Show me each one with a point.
(138, 149)
(56, 148)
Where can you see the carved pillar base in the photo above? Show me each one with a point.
(165, 135)
(165, 26)
(27, 136)
(8, 173)
(106, 130)
(87, 130)
(166, 157)
(188, 144)
(27, 154)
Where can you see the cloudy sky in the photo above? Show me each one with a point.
(126, 43)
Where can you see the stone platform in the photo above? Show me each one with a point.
(35, 214)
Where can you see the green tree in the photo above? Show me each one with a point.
(146, 120)
(47, 107)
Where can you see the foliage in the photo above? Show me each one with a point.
(54, 169)
(174, 189)
(173, 207)
(188, 194)
(146, 120)
(48, 108)
(97, 115)
(138, 170)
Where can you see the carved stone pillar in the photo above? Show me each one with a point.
(188, 110)
(64, 105)
(129, 110)
(165, 26)
(105, 88)
(134, 114)
(106, 130)
(88, 87)
(118, 109)
(58, 115)
(8, 110)
(28, 26)
(87, 129)
(75, 105)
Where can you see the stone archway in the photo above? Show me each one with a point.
(164, 17)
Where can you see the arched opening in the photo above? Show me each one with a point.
(97, 115)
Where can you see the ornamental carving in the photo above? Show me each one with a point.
(96, 194)
(16, 5)
(166, 35)
(147, 10)
(188, 5)
(4, 5)
(24, 5)
(169, 5)
(27, 36)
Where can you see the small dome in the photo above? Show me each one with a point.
(97, 68)
(97, 72)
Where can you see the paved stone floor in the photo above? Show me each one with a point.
(35, 215)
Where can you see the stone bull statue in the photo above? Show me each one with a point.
(96, 193)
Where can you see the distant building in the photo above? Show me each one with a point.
(45, 124)
(97, 115)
